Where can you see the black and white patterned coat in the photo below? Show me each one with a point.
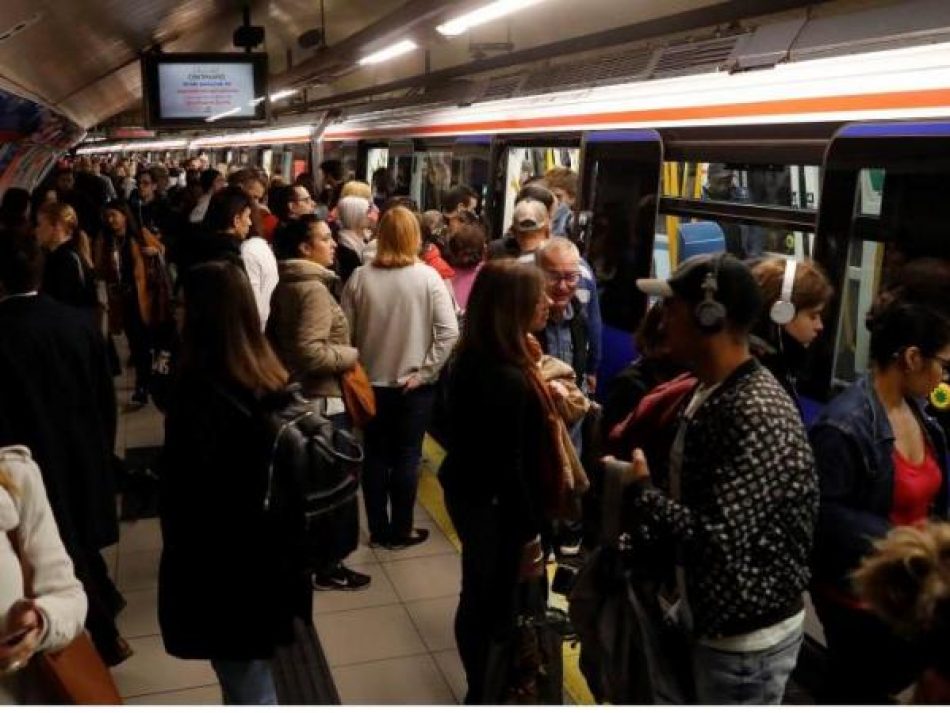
(745, 520)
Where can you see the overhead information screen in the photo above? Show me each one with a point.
(195, 90)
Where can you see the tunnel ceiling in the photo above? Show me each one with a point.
(80, 57)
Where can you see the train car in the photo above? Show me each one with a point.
(788, 136)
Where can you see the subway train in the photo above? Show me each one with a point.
(842, 159)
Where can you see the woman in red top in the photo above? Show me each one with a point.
(881, 462)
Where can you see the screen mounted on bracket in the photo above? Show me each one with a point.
(203, 90)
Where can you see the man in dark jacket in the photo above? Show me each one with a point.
(743, 495)
(57, 398)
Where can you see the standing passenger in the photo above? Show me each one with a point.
(795, 295)
(68, 275)
(353, 234)
(501, 494)
(310, 335)
(129, 262)
(467, 249)
(743, 496)
(404, 325)
(882, 462)
(228, 587)
(57, 398)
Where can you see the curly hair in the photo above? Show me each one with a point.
(906, 580)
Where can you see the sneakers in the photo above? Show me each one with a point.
(340, 579)
(416, 537)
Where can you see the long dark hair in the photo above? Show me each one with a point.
(222, 332)
(500, 310)
(132, 228)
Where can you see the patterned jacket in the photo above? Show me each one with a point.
(745, 521)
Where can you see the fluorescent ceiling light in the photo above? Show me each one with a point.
(283, 94)
(486, 13)
(391, 52)
(223, 114)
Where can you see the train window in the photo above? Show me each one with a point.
(861, 285)
(431, 178)
(870, 191)
(376, 158)
(525, 163)
(795, 187)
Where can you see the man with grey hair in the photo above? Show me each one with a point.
(566, 336)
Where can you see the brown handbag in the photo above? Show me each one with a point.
(358, 395)
(75, 674)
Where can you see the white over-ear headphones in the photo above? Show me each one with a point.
(783, 311)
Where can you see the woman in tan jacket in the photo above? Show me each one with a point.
(311, 336)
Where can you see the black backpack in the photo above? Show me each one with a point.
(312, 480)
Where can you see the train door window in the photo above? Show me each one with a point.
(431, 178)
(861, 284)
(749, 211)
(267, 156)
(525, 163)
(376, 158)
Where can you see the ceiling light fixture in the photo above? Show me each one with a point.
(229, 112)
(391, 52)
(479, 16)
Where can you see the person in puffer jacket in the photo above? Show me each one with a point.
(312, 338)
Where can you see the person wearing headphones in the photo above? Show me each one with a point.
(795, 294)
(743, 496)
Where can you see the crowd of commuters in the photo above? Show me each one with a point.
(239, 287)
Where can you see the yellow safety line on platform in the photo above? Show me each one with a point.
(430, 497)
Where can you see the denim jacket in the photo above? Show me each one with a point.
(854, 447)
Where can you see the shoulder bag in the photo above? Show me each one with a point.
(358, 395)
(75, 674)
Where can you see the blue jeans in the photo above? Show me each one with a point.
(246, 682)
(745, 678)
(393, 448)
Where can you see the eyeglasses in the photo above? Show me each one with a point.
(569, 278)
(305, 199)
(944, 364)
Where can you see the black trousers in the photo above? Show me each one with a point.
(867, 664)
(140, 340)
(487, 603)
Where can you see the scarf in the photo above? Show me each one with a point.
(562, 475)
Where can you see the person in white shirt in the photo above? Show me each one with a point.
(257, 254)
(48, 611)
(403, 323)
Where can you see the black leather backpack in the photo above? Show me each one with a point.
(312, 480)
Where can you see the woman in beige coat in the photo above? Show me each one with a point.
(311, 336)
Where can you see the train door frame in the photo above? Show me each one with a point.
(476, 146)
(637, 150)
(843, 225)
(499, 153)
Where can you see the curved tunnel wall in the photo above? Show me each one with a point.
(32, 138)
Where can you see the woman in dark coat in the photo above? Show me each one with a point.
(499, 493)
(228, 590)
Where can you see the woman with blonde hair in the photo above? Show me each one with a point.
(906, 582)
(68, 275)
(353, 235)
(48, 611)
(403, 323)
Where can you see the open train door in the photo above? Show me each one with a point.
(884, 198)
(616, 228)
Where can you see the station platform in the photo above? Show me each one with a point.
(392, 643)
